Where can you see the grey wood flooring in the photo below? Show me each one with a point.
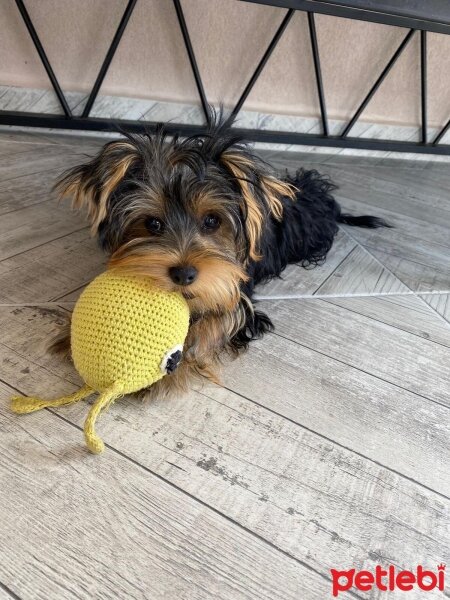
(326, 446)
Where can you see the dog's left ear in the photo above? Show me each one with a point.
(90, 185)
(260, 193)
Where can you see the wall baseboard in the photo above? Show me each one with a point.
(119, 107)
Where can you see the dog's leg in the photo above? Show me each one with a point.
(207, 337)
(256, 325)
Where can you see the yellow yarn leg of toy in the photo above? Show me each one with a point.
(28, 404)
(93, 441)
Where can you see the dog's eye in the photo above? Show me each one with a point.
(211, 222)
(154, 225)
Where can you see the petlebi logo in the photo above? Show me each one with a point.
(388, 580)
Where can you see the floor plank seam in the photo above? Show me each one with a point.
(18, 152)
(57, 302)
(388, 324)
(13, 387)
(438, 314)
(339, 165)
(27, 142)
(409, 259)
(391, 210)
(33, 304)
(8, 212)
(332, 441)
(429, 308)
(45, 243)
(433, 293)
(47, 200)
(79, 287)
(272, 411)
(194, 498)
(27, 359)
(206, 505)
(324, 296)
(421, 294)
(312, 430)
(65, 309)
(29, 174)
(337, 266)
(8, 591)
(224, 515)
(446, 406)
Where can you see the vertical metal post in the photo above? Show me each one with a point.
(318, 72)
(192, 59)
(423, 84)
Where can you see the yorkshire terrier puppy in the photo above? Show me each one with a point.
(205, 216)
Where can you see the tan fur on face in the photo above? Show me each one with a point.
(218, 283)
(217, 286)
(153, 263)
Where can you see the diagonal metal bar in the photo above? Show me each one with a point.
(108, 58)
(378, 82)
(192, 59)
(318, 71)
(441, 134)
(261, 64)
(40, 50)
(423, 85)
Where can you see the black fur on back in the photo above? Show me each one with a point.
(304, 237)
(309, 225)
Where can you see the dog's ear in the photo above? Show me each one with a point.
(260, 193)
(90, 185)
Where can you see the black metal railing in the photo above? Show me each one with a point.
(416, 20)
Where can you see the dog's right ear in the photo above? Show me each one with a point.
(90, 185)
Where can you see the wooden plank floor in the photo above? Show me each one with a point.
(327, 446)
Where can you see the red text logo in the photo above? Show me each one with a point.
(388, 579)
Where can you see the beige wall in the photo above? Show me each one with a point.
(229, 37)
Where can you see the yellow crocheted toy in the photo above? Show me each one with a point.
(125, 336)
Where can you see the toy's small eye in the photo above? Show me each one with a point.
(171, 360)
(211, 223)
(154, 225)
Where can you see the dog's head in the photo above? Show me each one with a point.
(188, 213)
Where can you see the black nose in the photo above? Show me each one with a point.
(183, 275)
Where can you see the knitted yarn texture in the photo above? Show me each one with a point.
(122, 327)
(125, 336)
